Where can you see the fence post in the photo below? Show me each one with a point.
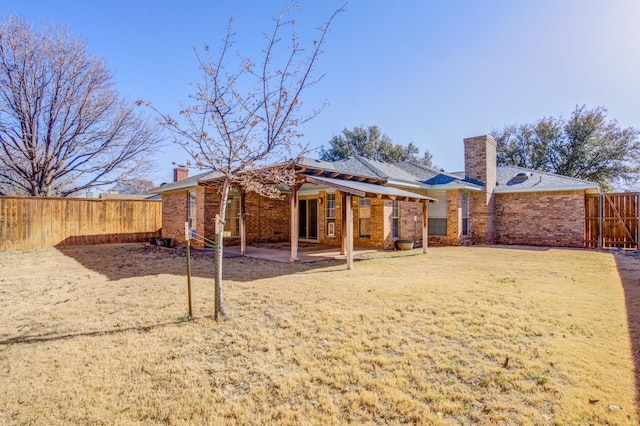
(600, 213)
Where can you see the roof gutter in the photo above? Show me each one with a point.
(173, 187)
(425, 186)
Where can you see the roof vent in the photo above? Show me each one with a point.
(522, 176)
(519, 178)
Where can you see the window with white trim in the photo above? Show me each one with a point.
(331, 214)
(438, 215)
(395, 219)
(331, 206)
(232, 215)
(464, 206)
(364, 218)
(191, 209)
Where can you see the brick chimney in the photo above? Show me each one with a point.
(480, 165)
(180, 173)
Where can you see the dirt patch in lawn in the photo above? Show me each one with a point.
(479, 335)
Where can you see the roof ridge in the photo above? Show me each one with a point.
(369, 166)
(429, 168)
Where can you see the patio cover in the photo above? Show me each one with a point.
(362, 189)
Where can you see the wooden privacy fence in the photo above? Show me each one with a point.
(31, 222)
(612, 220)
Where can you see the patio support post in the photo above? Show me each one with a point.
(343, 221)
(243, 227)
(349, 215)
(294, 223)
(425, 226)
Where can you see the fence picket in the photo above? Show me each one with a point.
(32, 222)
(617, 217)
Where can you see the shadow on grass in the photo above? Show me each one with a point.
(121, 261)
(50, 337)
(628, 265)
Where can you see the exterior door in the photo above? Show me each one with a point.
(308, 219)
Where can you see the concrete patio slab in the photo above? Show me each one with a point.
(282, 252)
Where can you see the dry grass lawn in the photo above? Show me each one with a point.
(467, 335)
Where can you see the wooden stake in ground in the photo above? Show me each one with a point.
(188, 246)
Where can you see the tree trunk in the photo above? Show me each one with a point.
(219, 250)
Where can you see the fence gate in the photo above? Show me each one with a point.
(612, 220)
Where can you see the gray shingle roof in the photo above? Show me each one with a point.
(406, 171)
(362, 188)
(191, 181)
(389, 170)
(414, 174)
(422, 173)
(535, 180)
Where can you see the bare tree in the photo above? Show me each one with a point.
(245, 117)
(133, 186)
(63, 127)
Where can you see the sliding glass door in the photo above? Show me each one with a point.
(308, 218)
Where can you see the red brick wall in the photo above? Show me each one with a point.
(381, 224)
(323, 238)
(410, 230)
(454, 222)
(541, 219)
(376, 240)
(211, 209)
(174, 213)
(268, 219)
(480, 164)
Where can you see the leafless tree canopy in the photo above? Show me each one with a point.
(133, 186)
(246, 114)
(63, 126)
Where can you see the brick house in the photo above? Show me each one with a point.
(389, 201)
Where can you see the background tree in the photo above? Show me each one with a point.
(586, 146)
(370, 143)
(63, 128)
(245, 116)
(133, 186)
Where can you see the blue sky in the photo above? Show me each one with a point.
(426, 72)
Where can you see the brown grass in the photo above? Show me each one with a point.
(468, 335)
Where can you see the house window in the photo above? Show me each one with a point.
(438, 215)
(464, 206)
(331, 206)
(232, 215)
(191, 209)
(395, 219)
(331, 215)
(364, 218)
